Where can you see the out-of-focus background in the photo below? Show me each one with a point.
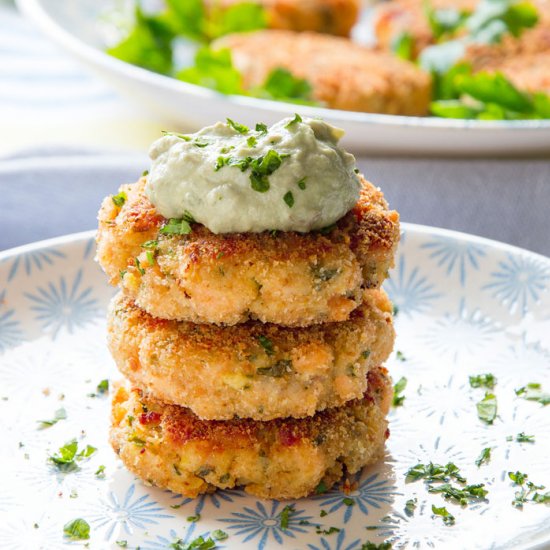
(67, 138)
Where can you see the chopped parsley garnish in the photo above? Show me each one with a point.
(528, 490)
(218, 534)
(176, 226)
(410, 507)
(262, 167)
(461, 495)
(267, 344)
(321, 487)
(484, 457)
(122, 272)
(297, 118)
(194, 519)
(400, 356)
(448, 518)
(289, 199)
(284, 516)
(518, 477)
(261, 128)
(122, 543)
(144, 173)
(365, 353)
(184, 137)
(139, 268)
(373, 546)
(487, 408)
(133, 438)
(434, 472)
(200, 543)
(150, 255)
(119, 199)
(252, 141)
(100, 472)
(483, 381)
(77, 529)
(348, 501)
(67, 456)
(240, 128)
(398, 389)
(534, 392)
(323, 513)
(522, 437)
(331, 530)
(302, 183)
(103, 387)
(60, 414)
(278, 369)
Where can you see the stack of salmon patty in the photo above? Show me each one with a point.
(251, 359)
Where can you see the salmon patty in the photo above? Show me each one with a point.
(287, 278)
(251, 370)
(343, 75)
(286, 458)
(325, 16)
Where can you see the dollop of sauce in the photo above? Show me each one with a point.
(292, 176)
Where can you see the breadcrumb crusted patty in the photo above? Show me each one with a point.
(287, 278)
(343, 75)
(170, 447)
(251, 370)
(325, 16)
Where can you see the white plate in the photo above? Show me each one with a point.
(466, 305)
(75, 26)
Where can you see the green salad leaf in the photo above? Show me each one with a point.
(148, 45)
(213, 69)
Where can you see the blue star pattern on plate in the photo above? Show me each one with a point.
(64, 305)
(461, 312)
(263, 522)
(371, 492)
(519, 281)
(10, 331)
(129, 512)
(336, 543)
(34, 260)
(410, 291)
(452, 254)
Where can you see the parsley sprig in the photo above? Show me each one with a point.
(68, 455)
(77, 529)
(60, 414)
(398, 389)
(528, 491)
(487, 380)
(534, 392)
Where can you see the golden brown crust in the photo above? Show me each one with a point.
(223, 372)
(324, 16)
(523, 60)
(344, 75)
(289, 278)
(284, 458)
(408, 16)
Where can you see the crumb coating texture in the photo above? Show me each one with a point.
(170, 447)
(251, 370)
(344, 75)
(289, 278)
